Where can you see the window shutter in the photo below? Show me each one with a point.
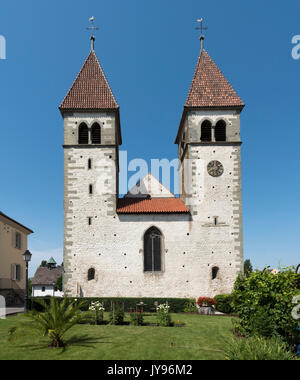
(20, 241)
(13, 272)
(13, 238)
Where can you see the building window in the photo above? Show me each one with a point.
(91, 274)
(152, 250)
(96, 134)
(89, 221)
(83, 134)
(214, 273)
(18, 240)
(91, 189)
(206, 131)
(220, 131)
(43, 289)
(89, 164)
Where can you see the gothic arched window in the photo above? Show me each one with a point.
(220, 131)
(214, 273)
(152, 250)
(91, 274)
(83, 134)
(206, 131)
(96, 134)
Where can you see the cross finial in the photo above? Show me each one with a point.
(201, 28)
(92, 28)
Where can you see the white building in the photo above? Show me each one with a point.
(152, 244)
(44, 283)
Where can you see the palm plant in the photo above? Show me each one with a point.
(58, 317)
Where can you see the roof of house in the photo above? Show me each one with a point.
(90, 89)
(47, 276)
(209, 89)
(14, 221)
(209, 86)
(151, 206)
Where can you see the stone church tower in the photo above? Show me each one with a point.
(150, 243)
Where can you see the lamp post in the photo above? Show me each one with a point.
(27, 257)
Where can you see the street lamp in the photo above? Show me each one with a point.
(27, 257)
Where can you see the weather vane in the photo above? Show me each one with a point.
(201, 28)
(92, 28)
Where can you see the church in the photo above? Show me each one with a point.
(150, 243)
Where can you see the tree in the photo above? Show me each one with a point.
(59, 283)
(58, 317)
(248, 267)
(43, 264)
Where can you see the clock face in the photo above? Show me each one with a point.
(215, 168)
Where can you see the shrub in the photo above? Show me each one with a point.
(190, 307)
(224, 303)
(176, 304)
(136, 318)
(98, 309)
(116, 315)
(57, 318)
(163, 316)
(264, 304)
(257, 348)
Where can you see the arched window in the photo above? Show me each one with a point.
(206, 131)
(83, 134)
(152, 250)
(214, 273)
(91, 274)
(220, 131)
(96, 134)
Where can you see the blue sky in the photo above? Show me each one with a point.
(148, 50)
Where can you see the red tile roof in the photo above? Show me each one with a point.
(210, 88)
(149, 206)
(90, 89)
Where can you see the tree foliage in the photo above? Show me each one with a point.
(263, 302)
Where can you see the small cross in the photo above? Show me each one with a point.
(92, 28)
(201, 28)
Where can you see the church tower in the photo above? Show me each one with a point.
(209, 148)
(92, 136)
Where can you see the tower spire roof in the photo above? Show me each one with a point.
(90, 89)
(209, 86)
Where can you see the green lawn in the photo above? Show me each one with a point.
(202, 337)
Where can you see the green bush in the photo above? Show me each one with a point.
(136, 318)
(116, 315)
(177, 304)
(190, 307)
(224, 303)
(163, 316)
(257, 348)
(264, 304)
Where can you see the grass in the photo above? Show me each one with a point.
(202, 338)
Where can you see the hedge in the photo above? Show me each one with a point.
(177, 305)
(224, 303)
